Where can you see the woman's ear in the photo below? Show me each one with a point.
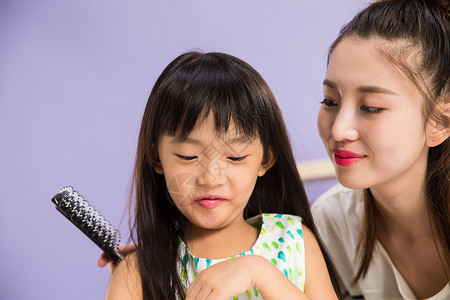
(268, 161)
(437, 131)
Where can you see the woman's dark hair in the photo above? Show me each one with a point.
(417, 35)
(191, 88)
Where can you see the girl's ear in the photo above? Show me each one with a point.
(267, 163)
(154, 161)
(156, 165)
(438, 131)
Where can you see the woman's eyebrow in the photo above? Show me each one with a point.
(362, 89)
(330, 84)
(375, 90)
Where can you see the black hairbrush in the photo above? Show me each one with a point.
(88, 220)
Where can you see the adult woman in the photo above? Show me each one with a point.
(384, 121)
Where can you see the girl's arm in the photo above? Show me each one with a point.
(126, 280)
(235, 276)
(317, 280)
(318, 283)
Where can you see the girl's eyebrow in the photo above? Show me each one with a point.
(362, 89)
(242, 139)
(179, 140)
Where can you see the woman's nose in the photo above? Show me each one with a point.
(345, 126)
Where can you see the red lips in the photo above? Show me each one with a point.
(346, 158)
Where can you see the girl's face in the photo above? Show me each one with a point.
(371, 119)
(210, 177)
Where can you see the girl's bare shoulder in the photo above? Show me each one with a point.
(126, 280)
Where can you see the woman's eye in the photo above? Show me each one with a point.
(232, 158)
(186, 157)
(370, 110)
(328, 102)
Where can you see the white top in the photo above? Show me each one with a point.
(338, 216)
(280, 241)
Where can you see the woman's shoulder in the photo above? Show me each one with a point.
(338, 201)
(126, 280)
(338, 214)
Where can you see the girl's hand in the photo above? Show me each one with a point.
(225, 279)
(123, 249)
(237, 275)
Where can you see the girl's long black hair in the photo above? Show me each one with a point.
(191, 87)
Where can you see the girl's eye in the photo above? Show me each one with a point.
(186, 157)
(371, 110)
(236, 158)
(328, 102)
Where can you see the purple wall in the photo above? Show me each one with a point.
(74, 79)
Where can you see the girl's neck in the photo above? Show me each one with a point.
(224, 242)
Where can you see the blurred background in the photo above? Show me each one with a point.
(74, 80)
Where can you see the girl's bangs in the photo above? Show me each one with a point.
(193, 97)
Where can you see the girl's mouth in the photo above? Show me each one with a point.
(209, 201)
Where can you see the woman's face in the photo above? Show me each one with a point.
(371, 119)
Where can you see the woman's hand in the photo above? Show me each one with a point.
(123, 250)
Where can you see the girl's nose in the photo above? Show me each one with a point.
(212, 172)
(345, 126)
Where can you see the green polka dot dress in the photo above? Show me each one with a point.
(280, 241)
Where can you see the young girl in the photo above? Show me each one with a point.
(220, 209)
(384, 121)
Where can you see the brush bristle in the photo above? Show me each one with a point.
(87, 219)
